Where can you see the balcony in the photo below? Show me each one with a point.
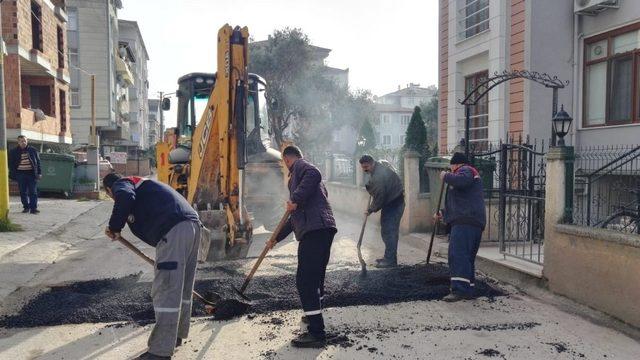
(124, 73)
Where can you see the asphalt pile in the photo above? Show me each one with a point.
(126, 299)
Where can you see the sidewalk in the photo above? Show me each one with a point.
(24, 253)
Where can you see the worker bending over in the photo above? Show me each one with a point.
(387, 192)
(162, 218)
(312, 222)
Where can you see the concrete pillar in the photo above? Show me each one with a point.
(328, 165)
(558, 188)
(411, 190)
(93, 161)
(359, 175)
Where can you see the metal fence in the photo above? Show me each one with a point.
(607, 187)
(514, 177)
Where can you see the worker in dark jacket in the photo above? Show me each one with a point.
(162, 218)
(24, 168)
(387, 193)
(312, 222)
(465, 216)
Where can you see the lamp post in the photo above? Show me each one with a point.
(561, 125)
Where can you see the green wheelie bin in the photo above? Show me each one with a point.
(57, 173)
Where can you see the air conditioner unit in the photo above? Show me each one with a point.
(594, 7)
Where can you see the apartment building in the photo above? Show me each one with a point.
(154, 122)
(393, 112)
(591, 45)
(134, 52)
(36, 70)
(93, 49)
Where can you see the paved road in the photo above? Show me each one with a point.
(510, 327)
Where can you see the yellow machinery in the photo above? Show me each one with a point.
(209, 160)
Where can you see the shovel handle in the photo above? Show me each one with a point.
(435, 225)
(137, 251)
(264, 252)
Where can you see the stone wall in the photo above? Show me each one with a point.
(596, 267)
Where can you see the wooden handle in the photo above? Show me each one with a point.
(435, 225)
(266, 249)
(137, 251)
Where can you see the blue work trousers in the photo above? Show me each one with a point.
(390, 217)
(28, 191)
(464, 241)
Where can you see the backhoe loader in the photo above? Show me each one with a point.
(219, 156)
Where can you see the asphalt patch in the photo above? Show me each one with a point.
(126, 299)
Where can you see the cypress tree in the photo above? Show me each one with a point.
(416, 135)
(366, 138)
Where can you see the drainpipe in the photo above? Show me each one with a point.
(577, 111)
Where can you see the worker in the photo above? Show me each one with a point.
(24, 168)
(387, 194)
(312, 221)
(465, 217)
(162, 218)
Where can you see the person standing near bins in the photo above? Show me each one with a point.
(162, 218)
(465, 216)
(24, 167)
(312, 222)
(387, 192)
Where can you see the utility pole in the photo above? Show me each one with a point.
(4, 169)
(161, 117)
(93, 111)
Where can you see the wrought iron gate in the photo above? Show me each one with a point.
(514, 180)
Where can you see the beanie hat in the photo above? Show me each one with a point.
(459, 158)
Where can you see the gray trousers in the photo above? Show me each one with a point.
(176, 259)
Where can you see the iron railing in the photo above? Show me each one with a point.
(607, 187)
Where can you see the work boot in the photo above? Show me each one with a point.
(386, 264)
(35, 211)
(150, 356)
(378, 261)
(25, 210)
(178, 342)
(453, 297)
(308, 340)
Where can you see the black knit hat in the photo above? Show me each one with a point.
(459, 158)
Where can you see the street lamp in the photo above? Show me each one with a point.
(561, 124)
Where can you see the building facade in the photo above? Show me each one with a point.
(93, 49)
(154, 122)
(393, 112)
(134, 52)
(590, 45)
(36, 70)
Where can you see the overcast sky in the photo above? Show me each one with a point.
(383, 43)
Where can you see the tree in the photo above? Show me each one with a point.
(416, 135)
(430, 117)
(282, 60)
(366, 138)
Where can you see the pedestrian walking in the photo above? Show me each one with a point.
(162, 218)
(24, 168)
(465, 216)
(387, 193)
(312, 222)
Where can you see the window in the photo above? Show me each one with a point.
(404, 119)
(385, 118)
(479, 119)
(386, 140)
(403, 138)
(63, 111)
(60, 48)
(36, 26)
(75, 98)
(473, 17)
(611, 73)
(40, 98)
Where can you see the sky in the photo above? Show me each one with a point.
(383, 43)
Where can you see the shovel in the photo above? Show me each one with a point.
(209, 306)
(435, 225)
(363, 265)
(264, 252)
